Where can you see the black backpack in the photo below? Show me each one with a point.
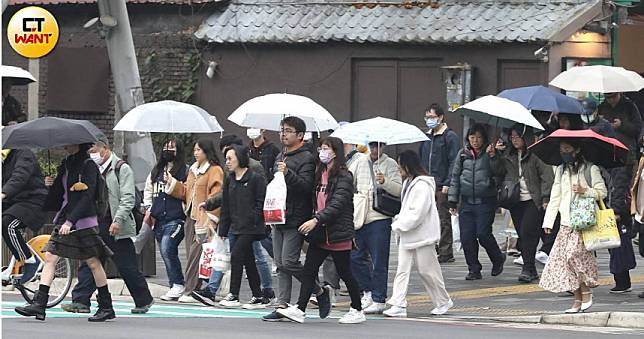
(102, 195)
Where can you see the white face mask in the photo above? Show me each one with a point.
(308, 136)
(588, 118)
(96, 157)
(253, 133)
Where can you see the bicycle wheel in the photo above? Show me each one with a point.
(59, 287)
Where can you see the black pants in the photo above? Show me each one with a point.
(242, 256)
(126, 262)
(12, 229)
(528, 219)
(314, 258)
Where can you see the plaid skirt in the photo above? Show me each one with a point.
(82, 244)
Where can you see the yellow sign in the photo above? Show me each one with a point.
(33, 32)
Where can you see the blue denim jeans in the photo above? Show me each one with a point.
(169, 236)
(260, 260)
(372, 241)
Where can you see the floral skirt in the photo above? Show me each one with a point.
(82, 244)
(570, 264)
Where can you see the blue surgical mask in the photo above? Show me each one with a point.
(326, 156)
(568, 157)
(431, 123)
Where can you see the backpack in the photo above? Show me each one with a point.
(102, 195)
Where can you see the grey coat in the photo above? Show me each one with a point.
(473, 178)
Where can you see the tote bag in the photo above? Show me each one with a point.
(583, 211)
(604, 234)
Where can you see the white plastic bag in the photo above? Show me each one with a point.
(275, 201)
(456, 234)
(224, 285)
(221, 258)
(207, 253)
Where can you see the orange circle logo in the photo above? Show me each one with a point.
(33, 32)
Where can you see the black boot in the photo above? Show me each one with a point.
(37, 308)
(528, 275)
(105, 309)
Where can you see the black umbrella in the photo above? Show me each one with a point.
(49, 132)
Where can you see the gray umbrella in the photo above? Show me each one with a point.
(49, 132)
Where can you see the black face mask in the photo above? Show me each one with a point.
(168, 156)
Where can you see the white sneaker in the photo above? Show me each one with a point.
(332, 296)
(440, 310)
(174, 293)
(542, 257)
(396, 312)
(292, 313)
(353, 317)
(518, 261)
(230, 301)
(187, 299)
(366, 300)
(375, 308)
(313, 301)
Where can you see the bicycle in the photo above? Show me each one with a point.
(11, 275)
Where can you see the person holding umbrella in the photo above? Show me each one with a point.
(74, 195)
(571, 267)
(535, 179)
(474, 186)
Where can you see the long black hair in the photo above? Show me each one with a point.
(208, 147)
(178, 170)
(410, 162)
(339, 162)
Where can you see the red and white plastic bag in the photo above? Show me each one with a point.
(275, 201)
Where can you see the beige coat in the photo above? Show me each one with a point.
(635, 209)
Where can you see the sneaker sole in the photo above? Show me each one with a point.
(204, 300)
(169, 298)
(394, 315)
(77, 311)
(297, 320)
(621, 292)
(352, 322)
(254, 307)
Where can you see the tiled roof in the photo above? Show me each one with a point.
(64, 2)
(454, 21)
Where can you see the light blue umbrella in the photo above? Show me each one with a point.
(381, 130)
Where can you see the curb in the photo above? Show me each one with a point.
(634, 320)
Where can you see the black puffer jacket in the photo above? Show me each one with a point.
(473, 178)
(300, 178)
(81, 204)
(336, 219)
(266, 154)
(242, 211)
(24, 187)
(626, 111)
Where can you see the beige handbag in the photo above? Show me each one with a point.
(360, 209)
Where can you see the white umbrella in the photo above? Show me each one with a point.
(498, 112)
(18, 75)
(598, 79)
(267, 111)
(382, 130)
(168, 116)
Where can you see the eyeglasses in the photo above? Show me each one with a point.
(287, 131)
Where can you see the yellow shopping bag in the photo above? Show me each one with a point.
(604, 234)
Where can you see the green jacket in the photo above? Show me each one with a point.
(121, 196)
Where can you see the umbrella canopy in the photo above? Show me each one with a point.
(168, 116)
(543, 99)
(596, 148)
(18, 75)
(598, 79)
(499, 112)
(383, 130)
(50, 132)
(267, 111)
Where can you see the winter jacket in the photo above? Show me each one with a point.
(337, 216)
(392, 184)
(121, 192)
(202, 183)
(628, 133)
(437, 155)
(215, 202)
(473, 178)
(162, 206)
(80, 204)
(300, 179)
(537, 175)
(266, 154)
(24, 187)
(561, 195)
(242, 211)
(418, 223)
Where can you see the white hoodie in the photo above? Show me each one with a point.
(418, 224)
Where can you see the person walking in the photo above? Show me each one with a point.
(417, 228)
(370, 260)
(116, 229)
(535, 180)
(242, 214)
(205, 180)
(571, 267)
(438, 155)
(164, 213)
(329, 233)
(263, 150)
(23, 196)
(73, 193)
(474, 186)
(298, 166)
(637, 205)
